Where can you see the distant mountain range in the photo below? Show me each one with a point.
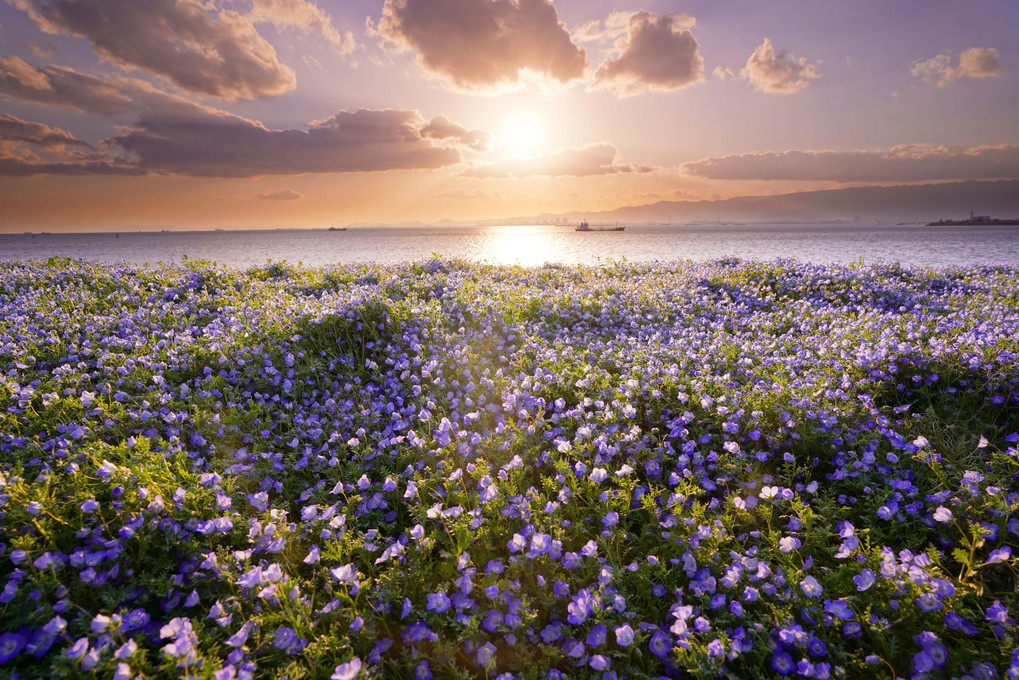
(902, 203)
(912, 202)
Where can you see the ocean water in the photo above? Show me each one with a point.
(531, 245)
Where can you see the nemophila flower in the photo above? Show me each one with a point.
(660, 645)
(838, 608)
(782, 662)
(1001, 554)
(285, 638)
(345, 573)
(596, 636)
(438, 602)
(624, 635)
(928, 602)
(486, 655)
(347, 671)
(864, 580)
(942, 514)
(78, 649)
(598, 662)
(811, 587)
(11, 645)
(998, 613)
(788, 543)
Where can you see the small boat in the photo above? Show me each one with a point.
(584, 226)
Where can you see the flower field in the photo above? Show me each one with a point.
(725, 469)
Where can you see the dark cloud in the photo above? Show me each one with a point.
(213, 53)
(778, 72)
(14, 129)
(59, 86)
(281, 195)
(593, 159)
(224, 146)
(976, 62)
(442, 128)
(29, 148)
(905, 163)
(484, 44)
(174, 135)
(304, 15)
(658, 52)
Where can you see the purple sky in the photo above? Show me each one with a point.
(251, 113)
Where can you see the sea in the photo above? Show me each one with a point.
(534, 245)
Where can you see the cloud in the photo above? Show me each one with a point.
(657, 52)
(593, 159)
(173, 135)
(777, 73)
(29, 148)
(229, 146)
(483, 44)
(219, 54)
(282, 195)
(17, 130)
(60, 86)
(442, 128)
(904, 163)
(976, 62)
(304, 15)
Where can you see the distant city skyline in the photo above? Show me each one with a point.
(256, 113)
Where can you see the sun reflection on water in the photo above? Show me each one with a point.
(524, 245)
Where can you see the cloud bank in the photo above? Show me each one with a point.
(657, 52)
(593, 159)
(777, 72)
(173, 135)
(29, 148)
(904, 163)
(976, 62)
(205, 52)
(483, 44)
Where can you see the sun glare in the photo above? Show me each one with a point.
(523, 133)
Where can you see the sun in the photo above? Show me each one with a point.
(523, 133)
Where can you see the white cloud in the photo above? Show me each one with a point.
(655, 52)
(976, 62)
(778, 72)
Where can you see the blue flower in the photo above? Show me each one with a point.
(347, 671)
(865, 580)
(811, 587)
(11, 645)
(782, 662)
(438, 602)
(660, 645)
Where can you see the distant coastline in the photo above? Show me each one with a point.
(974, 223)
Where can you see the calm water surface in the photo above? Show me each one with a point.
(535, 245)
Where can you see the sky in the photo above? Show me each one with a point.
(200, 114)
